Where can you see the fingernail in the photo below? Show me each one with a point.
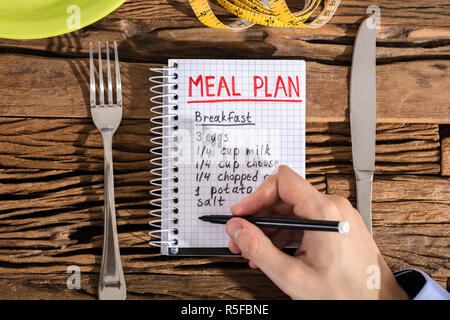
(233, 229)
(237, 208)
(274, 172)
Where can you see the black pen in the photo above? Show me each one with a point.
(285, 223)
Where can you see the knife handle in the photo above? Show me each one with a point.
(364, 196)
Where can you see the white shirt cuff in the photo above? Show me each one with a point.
(419, 285)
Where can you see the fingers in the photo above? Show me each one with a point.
(283, 237)
(280, 238)
(251, 242)
(297, 194)
(282, 208)
(264, 196)
(233, 247)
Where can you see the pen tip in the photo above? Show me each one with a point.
(203, 218)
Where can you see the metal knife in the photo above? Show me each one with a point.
(363, 115)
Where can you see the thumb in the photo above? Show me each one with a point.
(259, 249)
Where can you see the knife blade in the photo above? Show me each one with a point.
(363, 116)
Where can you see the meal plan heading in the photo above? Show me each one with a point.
(263, 87)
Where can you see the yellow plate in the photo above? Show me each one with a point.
(34, 19)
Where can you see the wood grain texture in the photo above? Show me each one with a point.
(52, 87)
(51, 156)
(445, 151)
(350, 11)
(75, 144)
(331, 44)
(61, 224)
(143, 286)
(406, 148)
(410, 220)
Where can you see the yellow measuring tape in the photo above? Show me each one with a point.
(272, 13)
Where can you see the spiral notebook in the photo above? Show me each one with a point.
(219, 128)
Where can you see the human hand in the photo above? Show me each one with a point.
(326, 265)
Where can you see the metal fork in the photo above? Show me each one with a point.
(107, 118)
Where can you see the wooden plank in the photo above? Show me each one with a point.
(49, 87)
(61, 224)
(396, 187)
(421, 246)
(445, 150)
(62, 90)
(76, 144)
(63, 211)
(413, 147)
(332, 43)
(445, 156)
(410, 220)
(72, 144)
(69, 194)
(350, 11)
(142, 286)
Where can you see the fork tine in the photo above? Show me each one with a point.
(101, 93)
(110, 98)
(92, 72)
(118, 80)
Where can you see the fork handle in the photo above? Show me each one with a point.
(112, 280)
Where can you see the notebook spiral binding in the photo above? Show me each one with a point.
(164, 142)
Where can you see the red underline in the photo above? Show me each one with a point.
(242, 100)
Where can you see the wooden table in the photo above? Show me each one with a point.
(51, 158)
